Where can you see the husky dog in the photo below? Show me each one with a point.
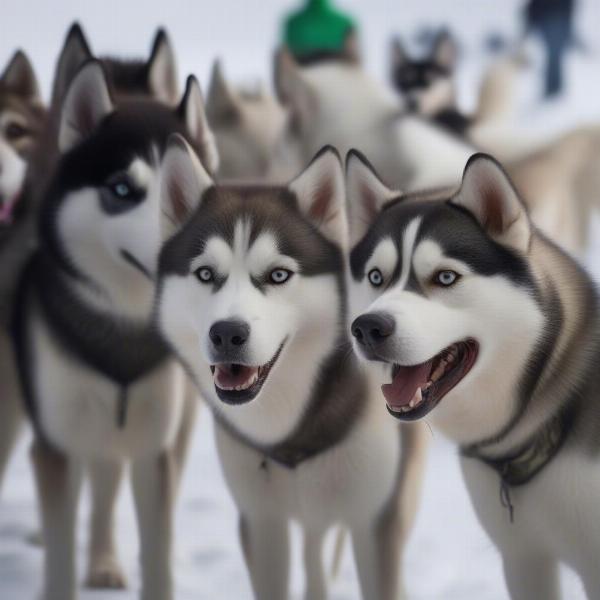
(485, 327)
(251, 298)
(246, 123)
(100, 385)
(22, 118)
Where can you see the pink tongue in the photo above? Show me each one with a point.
(227, 376)
(405, 384)
(6, 210)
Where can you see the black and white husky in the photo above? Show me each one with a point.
(252, 300)
(485, 327)
(22, 119)
(100, 385)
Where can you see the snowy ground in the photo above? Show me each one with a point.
(448, 555)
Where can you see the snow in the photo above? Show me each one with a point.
(448, 555)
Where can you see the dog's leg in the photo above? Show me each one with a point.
(11, 410)
(265, 543)
(186, 428)
(104, 569)
(154, 482)
(316, 585)
(531, 576)
(58, 482)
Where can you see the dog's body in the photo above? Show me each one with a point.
(247, 124)
(22, 118)
(100, 385)
(255, 277)
(494, 334)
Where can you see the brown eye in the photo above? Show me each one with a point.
(14, 131)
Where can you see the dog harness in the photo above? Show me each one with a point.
(522, 465)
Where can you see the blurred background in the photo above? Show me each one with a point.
(448, 556)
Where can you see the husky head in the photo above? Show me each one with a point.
(21, 123)
(442, 293)
(427, 84)
(250, 292)
(155, 77)
(246, 123)
(102, 211)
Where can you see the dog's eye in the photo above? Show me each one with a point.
(204, 274)
(15, 131)
(122, 189)
(375, 277)
(279, 276)
(446, 278)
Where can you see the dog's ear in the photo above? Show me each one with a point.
(319, 192)
(162, 70)
(19, 77)
(74, 53)
(191, 110)
(489, 195)
(445, 51)
(293, 90)
(365, 195)
(87, 103)
(183, 183)
(221, 105)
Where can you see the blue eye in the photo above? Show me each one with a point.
(446, 278)
(204, 274)
(375, 277)
(279, 276)
(121, 189)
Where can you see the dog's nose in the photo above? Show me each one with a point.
(372, 329)
(229, 335)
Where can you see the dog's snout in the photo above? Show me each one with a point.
(372, 329)
(229, 335)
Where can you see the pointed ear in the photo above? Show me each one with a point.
(488, 194)
(222, 105)
(319, 191)
(162, 70)
(293, 90)
(366, 195)
(19, 77)
(74, 53)
(183, 183)
(191, 110)
(445, 51)
(87, 103)
(397, 54)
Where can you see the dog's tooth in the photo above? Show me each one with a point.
(418, 396)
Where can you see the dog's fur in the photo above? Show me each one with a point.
(22, 118)
(533, 313)
(305, 443)
(247, 124)
(100, 385)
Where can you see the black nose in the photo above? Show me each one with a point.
(229, 335)
(372, 329)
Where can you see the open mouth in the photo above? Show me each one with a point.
(238, 384)
(416, 390)
(7, 206)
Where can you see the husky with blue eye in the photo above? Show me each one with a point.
(476, 321)
(100, 385)
(252, 300)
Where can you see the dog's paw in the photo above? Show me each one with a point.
(106, 574)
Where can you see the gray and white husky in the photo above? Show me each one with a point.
(22, 119)
(100, 385)
(252, 300)
(485, 327)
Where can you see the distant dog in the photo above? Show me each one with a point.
(252, 300)
(478, 322)
(22, 118)
(100, 385)
(247, 124)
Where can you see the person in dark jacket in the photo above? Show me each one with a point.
(553, 21)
